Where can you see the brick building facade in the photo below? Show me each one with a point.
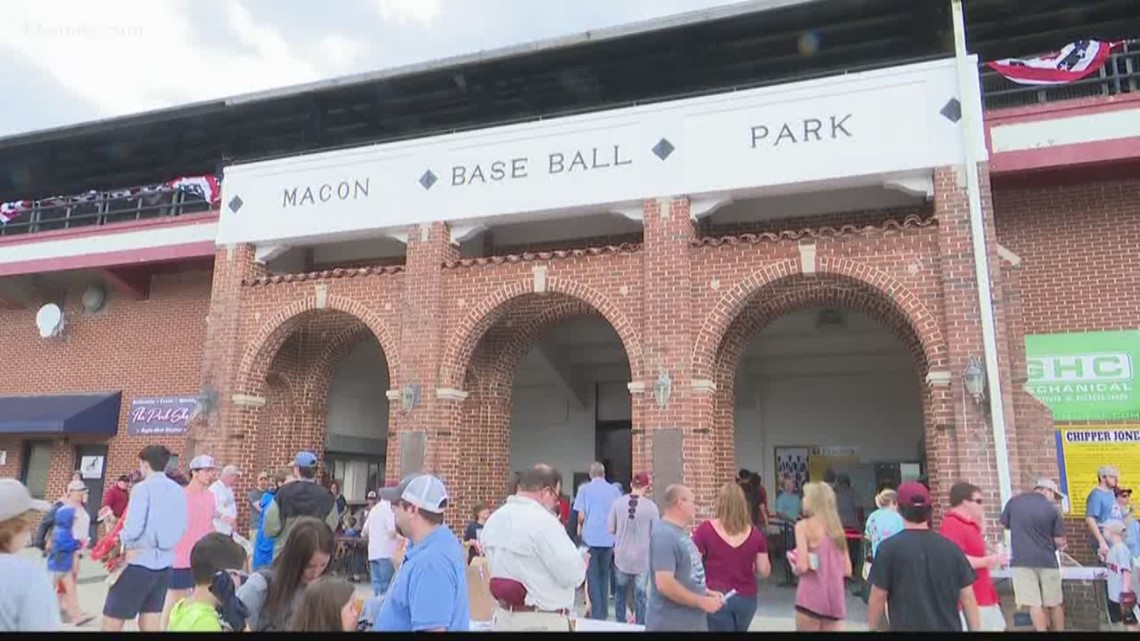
(259, 345)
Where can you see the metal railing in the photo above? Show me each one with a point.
(1119, 75)
(103, 208)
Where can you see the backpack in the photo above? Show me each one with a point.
(264, 622)
(42, 539)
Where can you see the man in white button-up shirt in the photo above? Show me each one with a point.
(526, 543)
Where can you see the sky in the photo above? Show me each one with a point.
(71, 61)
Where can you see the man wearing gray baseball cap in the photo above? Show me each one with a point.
(429, 593)
(1037, 532)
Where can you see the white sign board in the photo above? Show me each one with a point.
(91, 467)
(3, 457)
(876, 123)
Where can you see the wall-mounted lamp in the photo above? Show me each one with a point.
(410, 397)
(974, 379)
(662, 388)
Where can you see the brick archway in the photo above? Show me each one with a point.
(321, 372)
(794, 291)
(498, 363)
(486, 413)
(265, 344)
(474, 326)
(888, 291)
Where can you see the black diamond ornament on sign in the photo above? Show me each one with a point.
(952, 110)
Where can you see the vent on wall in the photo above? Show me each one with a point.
(829, 319)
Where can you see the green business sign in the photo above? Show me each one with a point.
(1085, 377)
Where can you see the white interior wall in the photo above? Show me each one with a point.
(358, 404)
(802, 385)
(548, 424)
(358, 413)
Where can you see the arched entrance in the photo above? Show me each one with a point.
(821, 376)
(547, 381)
(324, 375)
(824, 361)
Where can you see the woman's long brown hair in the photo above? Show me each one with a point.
(732, 510)
(320, 608)
(307, 537)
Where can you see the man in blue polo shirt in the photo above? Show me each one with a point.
(429, 593)
(593, 504)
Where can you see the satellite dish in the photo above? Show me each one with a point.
(93, 298)
(49, 320)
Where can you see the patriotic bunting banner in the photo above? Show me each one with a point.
(204, 187)
(11, 211)
(1071, 63)
(207, 188)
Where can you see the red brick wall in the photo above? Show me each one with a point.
(679, 303)
(1078, 250)
(1078, 246)
(143, 348)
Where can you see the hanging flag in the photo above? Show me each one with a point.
(10, 211)
(204, 187)
(1073, 62)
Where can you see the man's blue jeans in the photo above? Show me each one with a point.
(598, 582)
(640, 584)
(381, 571)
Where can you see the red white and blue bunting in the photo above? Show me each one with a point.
(205, 188)
(1071, 63)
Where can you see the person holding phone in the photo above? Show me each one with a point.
(679, 600)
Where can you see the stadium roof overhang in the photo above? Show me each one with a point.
(761, 42)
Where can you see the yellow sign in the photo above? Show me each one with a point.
(837, 460)
(1081, 450)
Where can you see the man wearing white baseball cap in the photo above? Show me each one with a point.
(27, 599)
(1037, 532)
(202, 507)
(429, 593)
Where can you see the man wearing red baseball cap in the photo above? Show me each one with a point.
(920, 574)
(630, 520)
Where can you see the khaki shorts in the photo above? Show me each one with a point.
(990, 617)
(1037, 587)
(507, 621)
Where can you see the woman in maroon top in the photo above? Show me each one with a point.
(735, 553)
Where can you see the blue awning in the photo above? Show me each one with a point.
(93, 414)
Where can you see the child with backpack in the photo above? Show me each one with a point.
(62, 560)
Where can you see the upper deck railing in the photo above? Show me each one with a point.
(177, 197)
(1119, 75)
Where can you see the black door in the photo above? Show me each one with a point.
(614, 449)
(94, 475)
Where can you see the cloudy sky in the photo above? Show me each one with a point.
(69, 61)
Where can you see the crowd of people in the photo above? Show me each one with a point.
(178, 563)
